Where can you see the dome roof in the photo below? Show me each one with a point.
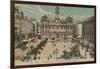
(44, 18)
(69, 19)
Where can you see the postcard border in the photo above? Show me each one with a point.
(12, 34)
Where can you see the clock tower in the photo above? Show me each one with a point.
(57, 12)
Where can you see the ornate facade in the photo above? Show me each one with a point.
(57, 28)
(24, 26)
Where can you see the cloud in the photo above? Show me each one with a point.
(37, 11)
(27, 9)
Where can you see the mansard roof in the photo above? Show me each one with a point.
(69, 19)
(52, 19)
(44, 18)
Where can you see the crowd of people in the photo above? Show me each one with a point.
(78, 46)
(30, 48)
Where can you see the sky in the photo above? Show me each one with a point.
(37, 11)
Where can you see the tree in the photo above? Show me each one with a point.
(34, 51)
(75, 52)
(66, 54)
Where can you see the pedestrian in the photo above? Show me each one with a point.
(48, 58)
(54, 52)
(64, 46)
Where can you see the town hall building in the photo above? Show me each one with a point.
(57, 28)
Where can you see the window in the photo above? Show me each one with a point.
(57, 27)
(57, 35)
(50, 27)
(53, 27)
(61, 27)
(50, 35)
(64, 27)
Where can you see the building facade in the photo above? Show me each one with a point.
(57, 28)
(24, 26)
(79, 30)
(88, 29)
